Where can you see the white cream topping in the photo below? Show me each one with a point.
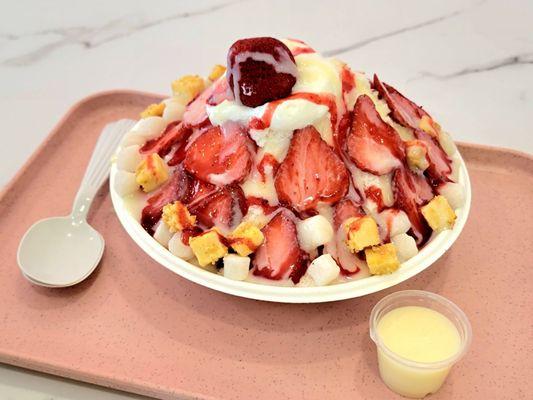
(289, 115)
(255, 187)
(362, 86)
(296, 114)
(294, 45)
(317, 74)
(231, 111)
(272, 142)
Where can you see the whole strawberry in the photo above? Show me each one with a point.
(260, 70)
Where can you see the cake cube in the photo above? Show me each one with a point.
(208, 247)
(188, 87)
(406, 247)
(323, 270)
(177, 217)
(217, 71)
(361, 232)
(439, 214)
(313, 232)
(153, 110)
(246, 238)
(382, 259)
(236, 267)
(151, 172)
(178, 248)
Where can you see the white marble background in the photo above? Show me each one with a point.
(470, 63)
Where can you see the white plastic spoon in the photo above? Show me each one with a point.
(63, 251)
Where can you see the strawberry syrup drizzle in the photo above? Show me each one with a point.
(150, 164)
(302, 50)
(345, 272)
(188, 233)
(390, 219)
(268, 160)
(374, 193)
(325, 99)
(162, 145)
(347, 79)
(257, 201)
(179, 154)
(244, 241)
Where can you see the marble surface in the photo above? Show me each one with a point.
(470, 63)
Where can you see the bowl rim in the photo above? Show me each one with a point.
(437, 245)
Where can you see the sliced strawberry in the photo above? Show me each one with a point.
(176, 188)
(179, 154)
(260, 70)
(220, 155)
(403, 110)
(302, 48)
(198, 190)
(221, 207)
(372, 144)
(174, 133)
(440, 166)
(345, 209)
(412, 191)
(195, 114)
(280, 250)
(310, 173)
(341, 134)
(221, 91)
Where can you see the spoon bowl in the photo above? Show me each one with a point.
(63, 251)
(60, 251)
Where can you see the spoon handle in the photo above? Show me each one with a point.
(98, 169)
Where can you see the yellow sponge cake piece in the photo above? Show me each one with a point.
(361, 232)
(208, 248)
(382, 259)
(439, 214)
(246, 238)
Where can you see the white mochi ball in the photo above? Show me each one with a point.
(125, 183)
(128, 158)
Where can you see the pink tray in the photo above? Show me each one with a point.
(136, 326)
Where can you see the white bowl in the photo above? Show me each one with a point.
(436, 247)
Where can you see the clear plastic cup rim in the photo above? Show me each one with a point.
(394, 298)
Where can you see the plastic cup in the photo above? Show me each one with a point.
(410, 378)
